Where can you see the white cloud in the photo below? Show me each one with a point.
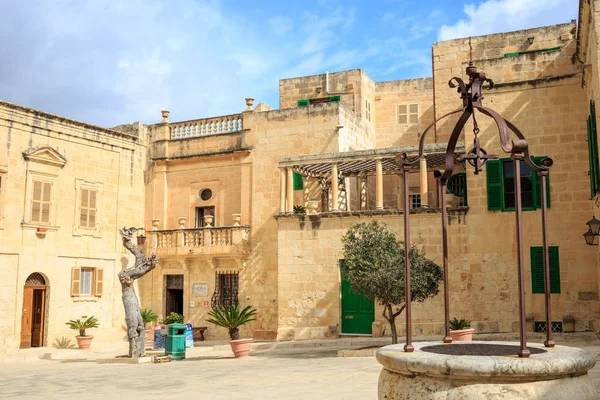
(507, 15)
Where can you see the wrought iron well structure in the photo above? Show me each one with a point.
(471, 95)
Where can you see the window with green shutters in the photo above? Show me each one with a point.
(593, 151)
(537, 269)
(501, 185)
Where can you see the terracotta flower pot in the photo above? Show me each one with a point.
(462, 335)
(84, 341)
(41, 230)
(241, 347)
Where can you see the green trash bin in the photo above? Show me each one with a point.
(175, 344)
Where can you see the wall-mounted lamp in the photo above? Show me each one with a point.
(141, 239)
(593, 231)
(530, 39)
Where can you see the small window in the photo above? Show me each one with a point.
(408, 114)
(226, 289)
(206, 194)
(415, 200)
(500, 180)
(41, 202)
(88, 209)
(87, 281)
(367, 110)
(537, 269)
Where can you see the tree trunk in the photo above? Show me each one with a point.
(133, 318)
(391, 318)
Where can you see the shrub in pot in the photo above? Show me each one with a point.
(173, 318)
(460, 330)
(231, 317)
(83, 340)
(148, 316)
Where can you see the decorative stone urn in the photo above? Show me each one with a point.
(249, 103)
(181, 222)
(237, 219)
(208, 220)
(155, 224)
(165, 115)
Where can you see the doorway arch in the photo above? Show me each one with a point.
(33, 314)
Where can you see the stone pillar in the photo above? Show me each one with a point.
(290, 190)
(423, 183)
(378, 184)
(282, 189)
(363, 190)
(334, 188)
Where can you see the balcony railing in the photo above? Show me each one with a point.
(207, 127)
(208, 240)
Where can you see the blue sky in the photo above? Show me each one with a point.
(109, 62)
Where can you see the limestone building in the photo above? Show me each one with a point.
(217, 196)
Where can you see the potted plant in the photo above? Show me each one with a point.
(83, 340)
(232, 318)
(298, 209)
(460, 330)
(147, 317)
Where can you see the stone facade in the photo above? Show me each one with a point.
(70, 157)
(287, 265)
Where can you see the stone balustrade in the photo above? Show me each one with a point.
(206, 240)
(206, 127)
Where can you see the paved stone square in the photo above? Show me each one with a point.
(280, 373)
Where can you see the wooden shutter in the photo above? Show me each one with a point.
(75, 281)
(554, 269)
(92, 209)
(46, 203)
(537, 183)
(537, 269)
(413, 110)
(403, 114)
(36, 201)
(98, 281)
(83, 208)
(493, 174)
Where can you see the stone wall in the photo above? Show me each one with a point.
(110, 161)
(389, 95)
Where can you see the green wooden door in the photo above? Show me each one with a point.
(358, 313)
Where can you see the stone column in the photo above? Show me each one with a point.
(290, 190)
(378, 184)
(334, 188)
(282, 189)
(424, 184)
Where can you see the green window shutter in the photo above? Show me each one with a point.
(334, 98)
(298, 181)
(493, 174)
(591, 157)
(538, 184)
(554, 269)
(303, 103)
(537, 269)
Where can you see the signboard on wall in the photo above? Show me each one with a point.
(200, 289)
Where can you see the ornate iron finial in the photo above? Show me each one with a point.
(470, 52)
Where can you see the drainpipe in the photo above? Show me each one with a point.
(435, 137)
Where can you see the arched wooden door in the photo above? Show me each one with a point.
(34, 311)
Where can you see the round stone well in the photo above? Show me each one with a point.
(484, 370)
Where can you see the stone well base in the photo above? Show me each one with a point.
(559, 373)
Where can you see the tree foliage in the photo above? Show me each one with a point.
(374, 265)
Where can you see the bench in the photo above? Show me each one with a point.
(198, 332)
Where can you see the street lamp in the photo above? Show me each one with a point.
(589, 238)
(141, 239)
(594, 225)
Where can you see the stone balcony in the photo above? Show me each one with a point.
(207, 241)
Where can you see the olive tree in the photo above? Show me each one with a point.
(374, 265)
